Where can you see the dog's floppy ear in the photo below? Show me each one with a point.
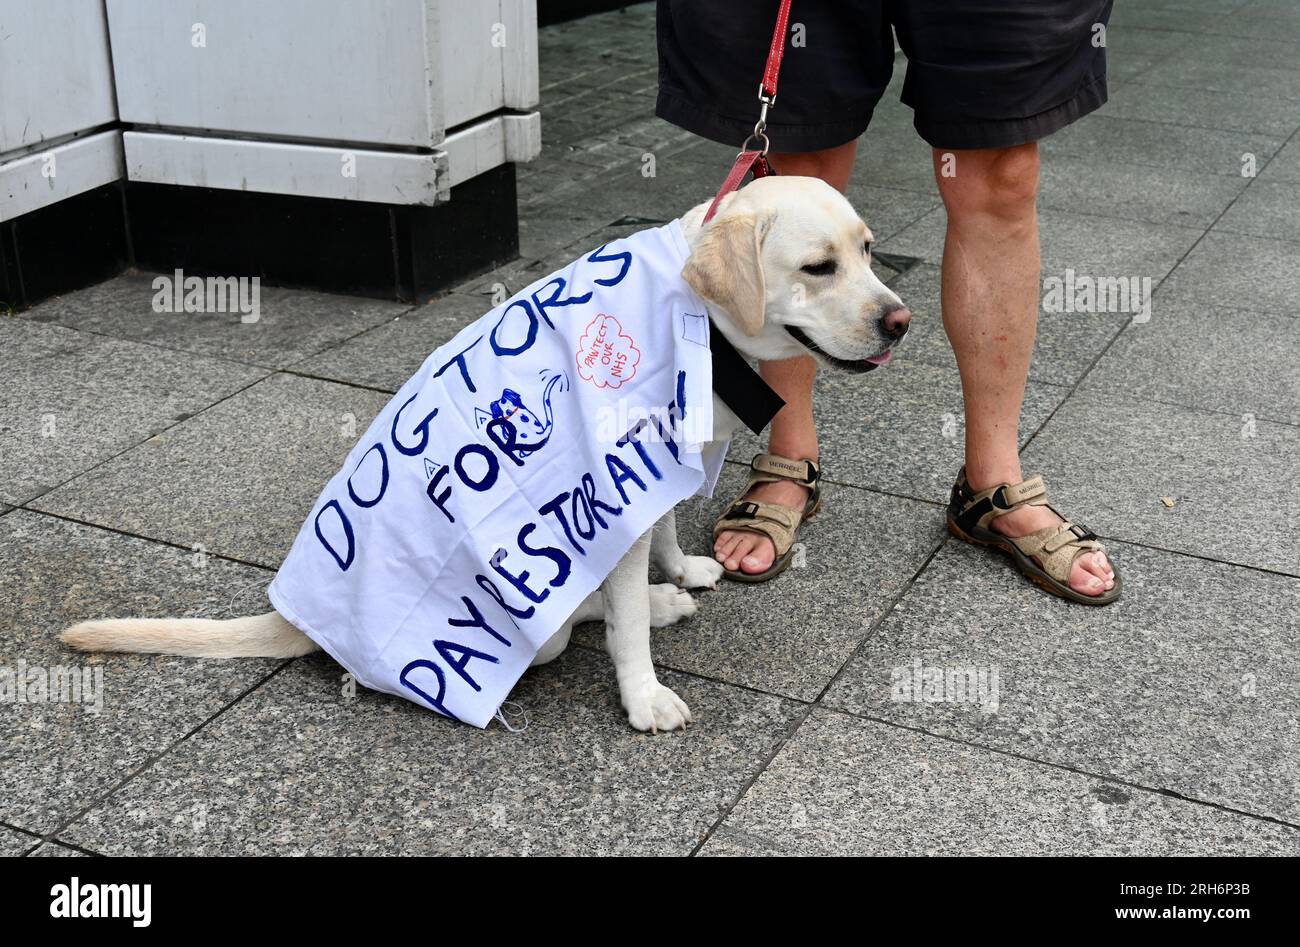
(726, 268)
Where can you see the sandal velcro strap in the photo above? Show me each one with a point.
(1055, 548)
(778, 523)
(1008, 496)
(1070, 533)
(804, 472)
(980, 509)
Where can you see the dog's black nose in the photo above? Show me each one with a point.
(895, 321)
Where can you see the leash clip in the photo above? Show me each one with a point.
(756, 137)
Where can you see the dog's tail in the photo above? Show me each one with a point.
(261, 636)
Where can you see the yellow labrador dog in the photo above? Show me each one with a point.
(785, 268)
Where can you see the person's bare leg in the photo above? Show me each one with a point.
(793, 433)
(990, 290)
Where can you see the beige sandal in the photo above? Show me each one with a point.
(778, 523)
(1045, 556)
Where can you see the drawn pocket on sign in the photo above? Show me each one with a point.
(607, 356)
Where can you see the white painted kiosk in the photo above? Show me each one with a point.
(389, 105)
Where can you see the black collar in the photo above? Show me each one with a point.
(739, 386)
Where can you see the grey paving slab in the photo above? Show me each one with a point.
(297, 768)
(57, 757)
(565, 174)
(1130, 11)
(1190, 19)
(1278, 51)
(895, 159)
(1149, 99)
(238, 479)
(566, 126)
(1128, 141)
(515, 276)
(14, 843)
(1236, 272)
(72, 400)
(857, 554)
(1231, 478)
(899, 429)
(546, 227)
(1188, 691)
(844, 786)
(512, 277)
(1066, 343)
(1283, 166)
(55, 850)
(628, 146)
(1096, 185)
(1095, 246)
(676, 186)
(291, 323)
(1203, 357)
(569, 49)
(709, 153)
(387, 355)
(1265, 209)
(889, 210)
(1277, 15)
(578, 118)
(1130, 51)
(1264, 82)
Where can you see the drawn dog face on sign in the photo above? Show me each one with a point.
(528, 426)
(531, 430)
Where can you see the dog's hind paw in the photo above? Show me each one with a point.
(651, 707)
(669, 605)
(698, 572)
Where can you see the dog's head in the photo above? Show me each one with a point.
(788, 262)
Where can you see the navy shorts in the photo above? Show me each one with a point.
(980, 73)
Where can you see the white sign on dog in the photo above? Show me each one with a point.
(507, 478)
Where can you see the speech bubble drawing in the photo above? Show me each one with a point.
(607, 356)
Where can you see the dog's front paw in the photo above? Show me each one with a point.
(651, 707)
(698, 572)
(669, 605)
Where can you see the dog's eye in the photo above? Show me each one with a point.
(866, 248)
(824, 268)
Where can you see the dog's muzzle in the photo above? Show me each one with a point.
(893, 325)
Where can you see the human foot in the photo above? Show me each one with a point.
(753, 553)
(1091, 573)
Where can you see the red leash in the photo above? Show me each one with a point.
(755, 160)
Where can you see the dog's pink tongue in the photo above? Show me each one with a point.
(884, 358)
